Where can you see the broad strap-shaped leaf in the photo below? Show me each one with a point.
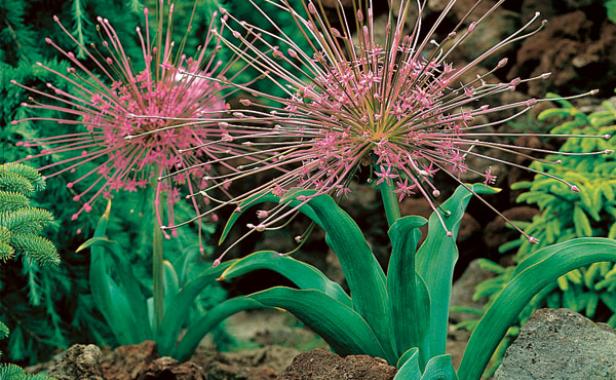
(436, 259)
(303, 275)
(408, 365)
(408, 296)
(171, 283)
(201, 327)
(362, 271)
(560, 259)
(439, 368)
(121, 303)
(342, 327)
(261, 198)
(180, 306)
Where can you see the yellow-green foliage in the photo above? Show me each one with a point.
(566, 215)
(21, 225)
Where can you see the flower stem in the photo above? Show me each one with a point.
(390, 203)
(157, 275)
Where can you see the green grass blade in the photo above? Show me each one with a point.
(436, 259)
(408, 296)
(362, 271)
(342, 327)
(561, 258)
(301, 274)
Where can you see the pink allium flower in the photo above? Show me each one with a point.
(136, 124)
(397, 107)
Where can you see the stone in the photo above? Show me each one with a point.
(78, 362)
(324, 365)
(497, 232)
(571, 46)
(560, 345)
(464, 289)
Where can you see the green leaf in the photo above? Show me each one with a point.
(610, 6)
(181, 304)
(171, 284)
(532, 275)
(440, 368)
(436, 259)
(301, 274)
(408, 365)
(258, 199)
(121, 303)
(362, 271)
(201, 327)
(342, 327)
(408, 296)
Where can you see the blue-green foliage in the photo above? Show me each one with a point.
(189, 291)
(401, 315)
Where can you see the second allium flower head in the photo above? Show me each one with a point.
(141, 121)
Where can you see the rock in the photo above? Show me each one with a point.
(78, 362)
(457, 339)
(497, 232)
(169, 369)
(571, 47)
(490, 32)
(560, 345)
(129, 362)
(324, 365)
(464, 288)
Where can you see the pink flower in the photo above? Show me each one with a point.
(397, 105)
(139, 123)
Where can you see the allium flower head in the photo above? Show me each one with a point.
(397, 107)
(136, 123)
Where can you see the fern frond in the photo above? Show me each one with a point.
(37, 248)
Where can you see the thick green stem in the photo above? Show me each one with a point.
(390, 202)
(157, 274)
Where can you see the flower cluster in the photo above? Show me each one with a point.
(395, 106)
(135, 126)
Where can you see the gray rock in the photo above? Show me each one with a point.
(464, 288)
(79, 362)
(560, 344)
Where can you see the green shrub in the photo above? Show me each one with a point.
(565, 215)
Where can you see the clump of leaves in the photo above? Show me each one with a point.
(374, 318)
(21, 225)
(565, 215)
